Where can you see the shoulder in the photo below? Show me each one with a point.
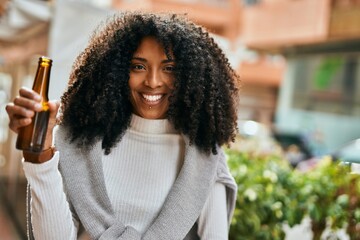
(224, 177)
(223, 171)
(61, 135)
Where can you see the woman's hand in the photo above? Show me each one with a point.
(23, 109)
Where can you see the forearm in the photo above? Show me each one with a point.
(51, 217)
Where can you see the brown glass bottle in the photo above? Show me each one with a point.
(32, 137)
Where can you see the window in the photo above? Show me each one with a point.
(328, 83)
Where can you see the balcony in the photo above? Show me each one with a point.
(273, 25)
(264, 72)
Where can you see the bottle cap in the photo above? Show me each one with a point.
(45, 61)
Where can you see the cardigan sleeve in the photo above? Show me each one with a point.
(224, 176)
(49, 215)
(215, 218)
(213, 222)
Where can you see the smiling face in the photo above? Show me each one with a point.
(151, 79)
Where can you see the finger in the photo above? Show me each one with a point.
(15, 111)
(17, 123)
(29, 93)
(54, 107)
(18, 116)
(27, 103)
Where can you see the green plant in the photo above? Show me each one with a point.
(331, 195)
(262, 202)
(271, 193)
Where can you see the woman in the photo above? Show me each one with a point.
(149, 103)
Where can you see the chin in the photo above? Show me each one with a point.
(149, 115)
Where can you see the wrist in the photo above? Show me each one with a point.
(40, 157)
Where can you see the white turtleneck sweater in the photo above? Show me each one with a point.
(139, 173)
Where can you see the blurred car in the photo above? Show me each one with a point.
(350, 152)
(295, 146)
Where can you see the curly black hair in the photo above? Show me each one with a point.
(96, 104)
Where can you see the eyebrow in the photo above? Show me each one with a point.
(144, 60)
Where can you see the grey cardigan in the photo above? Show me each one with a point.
(85, 189)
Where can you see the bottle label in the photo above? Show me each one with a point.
(45, 106)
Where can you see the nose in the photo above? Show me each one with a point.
(153, 79)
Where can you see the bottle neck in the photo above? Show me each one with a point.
(41, 82)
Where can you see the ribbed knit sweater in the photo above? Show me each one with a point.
(139, 173)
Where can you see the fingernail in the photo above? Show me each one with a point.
(38, 106)
(37, 97)
(27, 121)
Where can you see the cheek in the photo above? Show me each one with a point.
(133, 82)
(134, 97)
(133, 86)
(170, 83)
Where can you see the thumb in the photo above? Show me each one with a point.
(53, 107)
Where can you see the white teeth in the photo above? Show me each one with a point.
(152, 98)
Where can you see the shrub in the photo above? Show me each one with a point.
(271, 193)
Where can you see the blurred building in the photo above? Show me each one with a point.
(320, 92)
(298, 62)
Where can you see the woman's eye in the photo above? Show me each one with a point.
(137, 67)
(169, 68)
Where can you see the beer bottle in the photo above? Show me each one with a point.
(31, 138)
